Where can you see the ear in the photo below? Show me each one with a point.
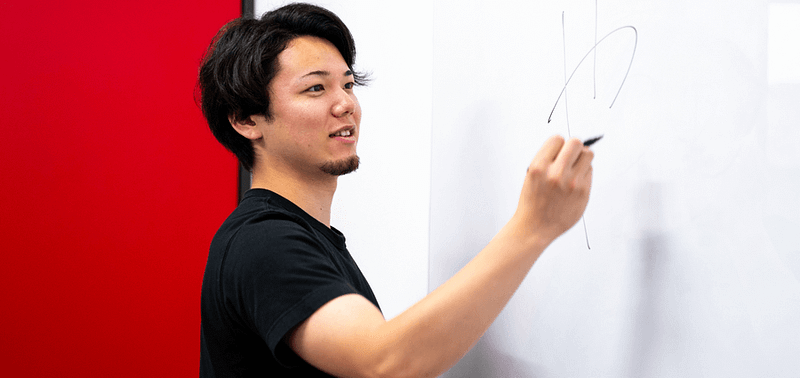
(247, 127)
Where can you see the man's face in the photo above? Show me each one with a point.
(315, 114)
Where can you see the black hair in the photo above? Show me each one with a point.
(242, 60)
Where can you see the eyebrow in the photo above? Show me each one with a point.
(325, 73)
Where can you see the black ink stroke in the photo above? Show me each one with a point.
(594, 79)
(564, 44)
(633, 53)
(594, 66)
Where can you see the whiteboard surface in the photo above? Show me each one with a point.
(695, 208)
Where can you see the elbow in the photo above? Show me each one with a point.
(398, 365)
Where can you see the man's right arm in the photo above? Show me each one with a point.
(348, 336)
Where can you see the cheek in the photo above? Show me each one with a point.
(304, 120)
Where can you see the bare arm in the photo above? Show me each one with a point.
(349, 336)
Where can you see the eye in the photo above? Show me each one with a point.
(349, 85)
(316, 88)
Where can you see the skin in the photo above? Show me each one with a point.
(311, 98)
(348, 336)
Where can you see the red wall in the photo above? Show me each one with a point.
(112, 186)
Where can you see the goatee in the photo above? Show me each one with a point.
(340, 167)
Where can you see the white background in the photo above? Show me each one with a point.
(695, 207)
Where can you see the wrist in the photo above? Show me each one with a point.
(528, 235)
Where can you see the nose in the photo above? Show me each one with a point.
(345, 104)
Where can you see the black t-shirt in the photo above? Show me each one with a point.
(270, 266)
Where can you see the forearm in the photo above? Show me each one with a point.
(436, 332)
(349, 337)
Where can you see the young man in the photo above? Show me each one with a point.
(281, 295)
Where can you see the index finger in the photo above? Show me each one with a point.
(550, 149)
(570, 153)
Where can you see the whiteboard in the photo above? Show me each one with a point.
(694, 216)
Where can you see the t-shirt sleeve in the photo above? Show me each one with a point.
(277, 275)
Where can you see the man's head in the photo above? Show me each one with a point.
(242, 62)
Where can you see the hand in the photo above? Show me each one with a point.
(556, 189)
(348, 336)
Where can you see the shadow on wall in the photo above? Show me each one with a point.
(650, 324)
(484, 360)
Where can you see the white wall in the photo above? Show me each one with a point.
(383, 207)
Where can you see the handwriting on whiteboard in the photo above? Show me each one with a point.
(591, 50)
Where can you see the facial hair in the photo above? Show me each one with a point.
(340, 167)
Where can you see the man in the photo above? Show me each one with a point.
(281, 295)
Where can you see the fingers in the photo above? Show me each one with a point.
(584, 162)
(556, 188)
(568, 159)
(583, 172)
(569, 154)
(572, 161)
(550, 149)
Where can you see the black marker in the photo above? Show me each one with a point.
(591, 141)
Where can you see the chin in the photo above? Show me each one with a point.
(341, 167)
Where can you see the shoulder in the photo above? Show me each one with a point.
(262, 219)
(272, 236)
(267, 237)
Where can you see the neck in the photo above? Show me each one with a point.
(313, 194)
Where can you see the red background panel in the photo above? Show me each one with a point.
(112, 186)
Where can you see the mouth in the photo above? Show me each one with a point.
(342, 133)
